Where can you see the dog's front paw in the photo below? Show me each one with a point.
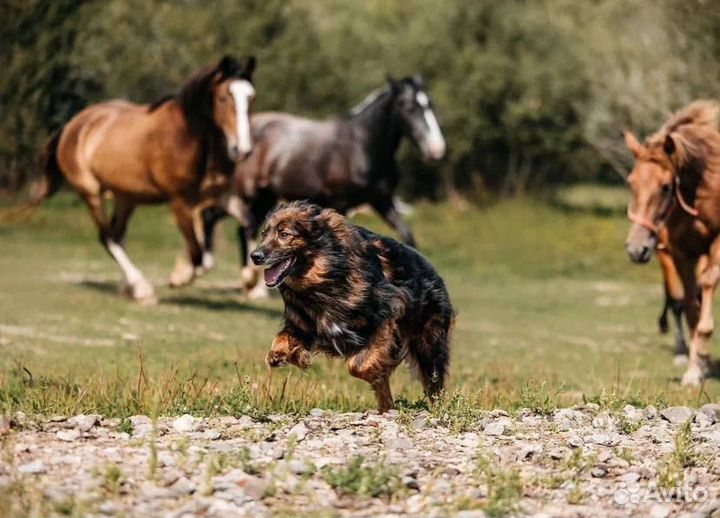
(276, 359)
(300, 357)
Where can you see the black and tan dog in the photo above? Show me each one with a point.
(353, 294)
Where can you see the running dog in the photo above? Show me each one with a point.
(356, 295)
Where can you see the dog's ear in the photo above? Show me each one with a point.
(333, 219)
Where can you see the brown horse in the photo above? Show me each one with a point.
(156, 153)
(340, 163)
(668, 177)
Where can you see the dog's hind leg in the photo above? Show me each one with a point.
(431, 353)
(376, 363)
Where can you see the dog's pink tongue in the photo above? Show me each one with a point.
(273, 273)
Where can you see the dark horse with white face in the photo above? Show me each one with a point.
(339, 163)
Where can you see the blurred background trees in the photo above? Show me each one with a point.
(529, 93)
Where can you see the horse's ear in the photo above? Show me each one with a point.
(227, 65)
(250, 63)
(418, 80)
(632, 144)
(669, 145)
(394, 85)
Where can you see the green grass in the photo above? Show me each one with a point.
(546, 298)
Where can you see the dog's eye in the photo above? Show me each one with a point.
(284, 235)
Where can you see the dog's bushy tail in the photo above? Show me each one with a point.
(431, 354)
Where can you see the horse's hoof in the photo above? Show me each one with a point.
(182, 275)
(260, 291)
(693, 377)
(249, 277)
(208, 261)
(141, 292)
(680, 359)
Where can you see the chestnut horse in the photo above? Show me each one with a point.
(667, 179)
(339, 163)
(156, 153)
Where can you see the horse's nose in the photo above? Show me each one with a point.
(258, 256)
(639, 254)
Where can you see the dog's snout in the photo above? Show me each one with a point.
(258, 256)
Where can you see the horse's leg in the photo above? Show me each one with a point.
(699, 364)
(137, 286)
(674, 295)
(111, 236)
(255, 213)
(183, 272)
(210, 218)
(388, 212)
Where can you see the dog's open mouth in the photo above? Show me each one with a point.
(277, 272)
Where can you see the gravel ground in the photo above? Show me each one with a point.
(572, 462)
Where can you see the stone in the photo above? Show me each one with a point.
(137, 420)
(300, 431)
(85, 422)
(494, 429)
(109, 508)
(410, 482)
(575, 441)
(632, 414)
(598, 472)
(68, 435)
(650, 412)
(185, 423)
(317, 412)
(712, 411)
(677, 414)
(183, 486)
(35, 467)
(528, 450)
(629, 477)
(253, 487)
(660, 511)
(211, 435)
(300, 467)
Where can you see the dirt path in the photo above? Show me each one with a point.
(574, 462)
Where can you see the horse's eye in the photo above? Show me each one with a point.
(666, 188)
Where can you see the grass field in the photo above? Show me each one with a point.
(550, 311)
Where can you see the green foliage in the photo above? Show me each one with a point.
(504, 488)
(537, 398)
(364, 479)
(528, 93)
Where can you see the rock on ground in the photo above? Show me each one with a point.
(575, 462)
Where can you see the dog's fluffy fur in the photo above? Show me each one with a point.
(353, 294)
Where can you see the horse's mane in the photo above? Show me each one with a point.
(368, 101)
(695, 138)
(159, 102)
(195, 99)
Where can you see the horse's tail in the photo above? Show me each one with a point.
(52, 177)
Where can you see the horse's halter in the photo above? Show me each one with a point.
(663, 215)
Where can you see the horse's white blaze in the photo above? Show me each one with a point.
(242, 92)
(132, 274)
(435, 139)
